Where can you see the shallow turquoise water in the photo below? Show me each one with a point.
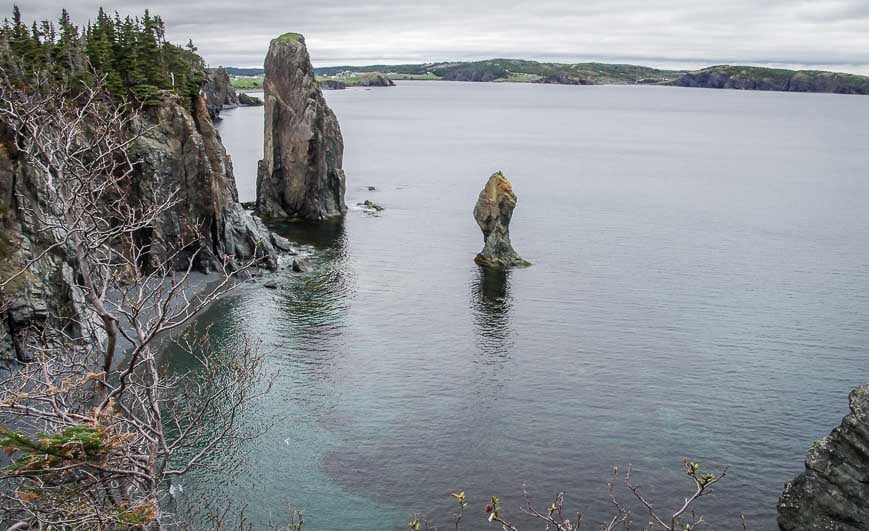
(699, 289)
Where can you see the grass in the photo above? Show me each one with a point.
(290, 37)
(415, 77)
(244, 83)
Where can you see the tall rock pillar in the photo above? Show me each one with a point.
(300, 176)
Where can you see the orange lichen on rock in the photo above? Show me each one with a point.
(493, 212)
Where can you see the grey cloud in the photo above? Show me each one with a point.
(670, 33)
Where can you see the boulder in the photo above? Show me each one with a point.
(833, 492)
(300, 176)
(282, 243)
(246, 100)
(493, 212)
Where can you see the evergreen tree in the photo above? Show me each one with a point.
(131, 53)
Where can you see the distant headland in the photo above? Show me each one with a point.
(523, 71)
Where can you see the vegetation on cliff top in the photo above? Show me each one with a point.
(289, 37)
(131, 52)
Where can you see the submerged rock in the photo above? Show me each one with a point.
(833, 492)
(300, 266)
(493, 212)
(370, 205)
(300, 175)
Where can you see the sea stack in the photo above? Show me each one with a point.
(493, 212)
(300, 176)
(833, 492)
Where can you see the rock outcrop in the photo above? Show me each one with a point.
(332, 84)
(300, 176)
(246, 100)
(493, 212)
(184, 152)
(757, 78)
(373, 79)
(219, 93)
(833, 492)
(179, 151)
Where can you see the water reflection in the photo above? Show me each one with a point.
(492, 304)
(314, 307)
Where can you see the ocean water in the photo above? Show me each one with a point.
(699, 289)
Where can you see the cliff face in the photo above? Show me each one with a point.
(185, 152)
(48, 289)
(301, 175)
(181, 150)
(755, 78)
(219, 93)
(833, 492)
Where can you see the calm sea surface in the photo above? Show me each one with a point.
(700, 289)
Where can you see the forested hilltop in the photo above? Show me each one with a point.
(521, 71)
(130, 52)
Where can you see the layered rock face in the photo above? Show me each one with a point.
(180, 151)
(493, 212)
(184, 152)
(219, 93)
(300, 176)
(833, 492)
(48, 288)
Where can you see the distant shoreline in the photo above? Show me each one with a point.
(520, 71)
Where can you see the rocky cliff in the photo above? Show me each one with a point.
(833, 492)
(493, 212)
(219, 93)
(756, 78)
(300, 176)
(181, 151)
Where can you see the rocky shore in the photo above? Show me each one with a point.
(833, 492)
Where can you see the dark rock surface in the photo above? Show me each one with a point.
(370, 205)
(300, 176)
(246, 100)
(493, 212)
(185, 152)
(332, 84)
(181, 151)
(219, 93)
(833, 492)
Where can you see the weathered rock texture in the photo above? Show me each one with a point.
(219, 93)
(301, 175)
(180, 151)
(184, 152)
(493, 212)
(833, 492)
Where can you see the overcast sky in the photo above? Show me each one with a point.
(829, 34)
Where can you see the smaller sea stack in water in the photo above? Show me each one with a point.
(493, 212)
